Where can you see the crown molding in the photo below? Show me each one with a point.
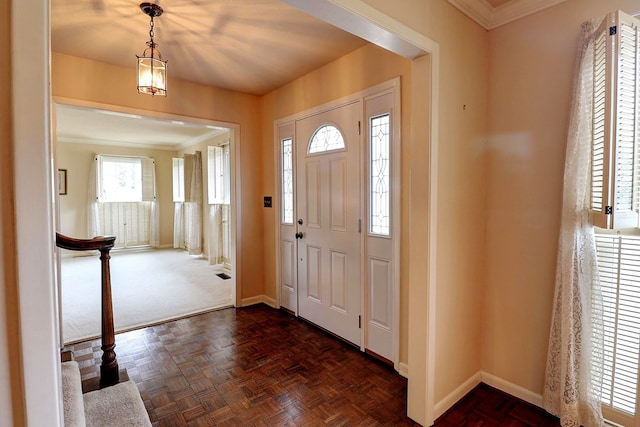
(492, 17)
(84, 141)
(478, 10)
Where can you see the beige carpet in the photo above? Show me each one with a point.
(147, 287)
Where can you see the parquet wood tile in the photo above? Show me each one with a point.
(257, 366)
(485, 406)
(253, 366)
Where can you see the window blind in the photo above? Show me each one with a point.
(619, 273)
(615, 189)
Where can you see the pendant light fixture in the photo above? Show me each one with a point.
(152, 70)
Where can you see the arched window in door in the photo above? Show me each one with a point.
(326, 138)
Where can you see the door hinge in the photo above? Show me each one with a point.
(359, 226)
(608, 210)
(359, 322)
(613, 30)
(359, 130)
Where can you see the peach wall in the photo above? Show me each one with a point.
(515, 82)
(531, 66)
(11, 390)
(87, 80)
(462, 113)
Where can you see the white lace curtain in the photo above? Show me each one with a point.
(178, 225)
(574, 360)
(191, 212)
(215, 236)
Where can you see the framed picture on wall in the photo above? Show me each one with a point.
(62, 182)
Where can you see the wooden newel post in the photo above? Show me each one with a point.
(109, 368)
(109, 372)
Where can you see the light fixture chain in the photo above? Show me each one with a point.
(151, 30)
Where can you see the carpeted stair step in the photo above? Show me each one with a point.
(119, 405)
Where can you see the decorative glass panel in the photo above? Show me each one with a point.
(326, 138)
(379, 184)
(287, 181)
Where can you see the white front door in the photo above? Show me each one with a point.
(328, 220)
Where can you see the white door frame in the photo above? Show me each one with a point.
(393, 87)
(35, 210)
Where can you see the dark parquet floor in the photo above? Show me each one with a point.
(485, 406)
(257, 366)
(252, 366)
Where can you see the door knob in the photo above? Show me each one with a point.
(299, 235)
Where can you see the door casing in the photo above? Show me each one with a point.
(284, 128)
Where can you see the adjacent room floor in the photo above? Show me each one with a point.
(148, 287)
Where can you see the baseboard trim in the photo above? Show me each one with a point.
(245, 302)
(403, 369)
(454, 397)
(269, 301)
(512, 389)
(258, 299)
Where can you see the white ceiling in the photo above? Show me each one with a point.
(85, 125)
(249, 46)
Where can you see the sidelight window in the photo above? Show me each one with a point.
(379, 179)
(287, 181)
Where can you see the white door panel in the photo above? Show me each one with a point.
(288, 244)
(381, 291)
(328, 205)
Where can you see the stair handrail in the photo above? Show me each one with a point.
(109, 372)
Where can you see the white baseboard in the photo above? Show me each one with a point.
(403, 369)
(452, 398)
(245, 302)
(512, 389)
(496, 382)
(258, 299)
(269, 301)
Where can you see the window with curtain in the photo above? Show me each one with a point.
(219, 199)
(187, 197)
(615, 196)
(178, 179)
(126, 199)
(219, 176)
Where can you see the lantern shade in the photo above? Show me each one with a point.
(152, 70)
(152, 75)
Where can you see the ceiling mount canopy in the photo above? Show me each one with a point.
(152, 70)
